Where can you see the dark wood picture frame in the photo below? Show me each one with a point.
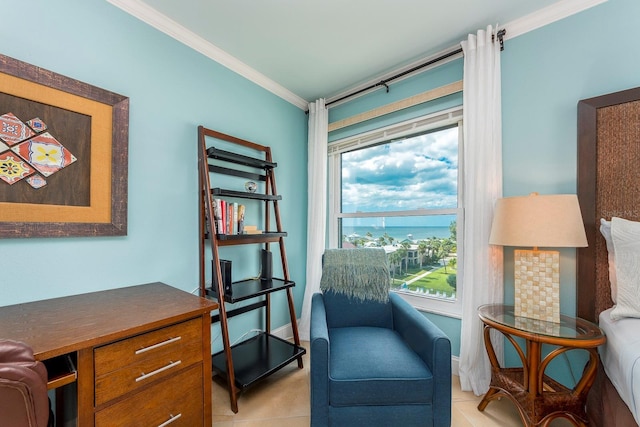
(106, 210)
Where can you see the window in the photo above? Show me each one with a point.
(399, 188)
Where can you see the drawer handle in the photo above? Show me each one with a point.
(170, 420)
(157, 371)
(160, 344)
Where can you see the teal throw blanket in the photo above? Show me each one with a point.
(361, 273)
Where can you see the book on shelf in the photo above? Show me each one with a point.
(229, 217)
(217, 215)
(225, 213)
(234, 219)
(241, 219)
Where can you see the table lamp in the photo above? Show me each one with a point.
(550, 221)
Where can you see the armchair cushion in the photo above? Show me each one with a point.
(374, 365)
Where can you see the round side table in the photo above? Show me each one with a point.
(538, 397)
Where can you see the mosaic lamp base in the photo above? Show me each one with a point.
(537, 285)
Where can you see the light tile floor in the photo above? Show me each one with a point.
(282, 400)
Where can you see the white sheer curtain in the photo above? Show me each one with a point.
(317, 207)
(482, 265)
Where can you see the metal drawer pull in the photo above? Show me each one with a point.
(157, 371)
(160, 344)
(170, 420)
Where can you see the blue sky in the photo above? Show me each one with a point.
(417, 173)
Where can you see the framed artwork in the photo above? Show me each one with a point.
(63, 155)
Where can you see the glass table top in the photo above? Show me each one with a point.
(569, 327)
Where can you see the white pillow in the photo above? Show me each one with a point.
(626, 242)
(605, 229)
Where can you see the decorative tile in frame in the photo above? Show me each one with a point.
(45, 153)
(91, 130)
(36, 181)
(12, 130)
(37, 125)
(13, 168)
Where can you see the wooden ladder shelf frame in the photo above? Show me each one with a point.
(206, 217)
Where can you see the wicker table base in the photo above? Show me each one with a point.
(539, 398)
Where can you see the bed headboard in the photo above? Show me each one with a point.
(608, 185)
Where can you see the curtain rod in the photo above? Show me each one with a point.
(385, 82)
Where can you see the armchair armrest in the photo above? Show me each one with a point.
(433, 347)
(23, 386)
(319, 334)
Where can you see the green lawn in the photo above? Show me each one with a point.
(434, 282)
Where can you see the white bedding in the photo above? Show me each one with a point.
(621, 358)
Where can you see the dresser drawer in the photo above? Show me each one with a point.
(170, 340)
(174, 402)
(133, 363)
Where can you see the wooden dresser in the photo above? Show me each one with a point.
(143, 353)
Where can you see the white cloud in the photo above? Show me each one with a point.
(416, 173)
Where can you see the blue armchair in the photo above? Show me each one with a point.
(376, 363)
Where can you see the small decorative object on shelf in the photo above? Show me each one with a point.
(250, 186)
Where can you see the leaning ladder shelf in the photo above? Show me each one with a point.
(253, 359)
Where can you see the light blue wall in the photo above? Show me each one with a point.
(172, 90)
(589, 54)
(544, 74)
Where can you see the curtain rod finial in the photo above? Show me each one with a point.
(501, 34)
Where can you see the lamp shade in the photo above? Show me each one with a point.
(538, 220)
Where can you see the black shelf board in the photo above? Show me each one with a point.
(228, 156)
(249, 236)
(241, 239)
(257, 358)
(251, 288)
(244, 195)
(236, 172)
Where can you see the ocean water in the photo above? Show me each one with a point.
(399, 233)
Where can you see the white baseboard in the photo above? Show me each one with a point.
(455, 364)
(285, 332)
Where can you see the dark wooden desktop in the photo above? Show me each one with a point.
(137, 351)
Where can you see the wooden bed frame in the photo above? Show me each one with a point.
(608, 185)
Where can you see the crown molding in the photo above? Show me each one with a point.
(535, 20)
(152, 17)
(162, 23)
(547, 15)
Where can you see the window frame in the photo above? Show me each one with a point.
(425, 123)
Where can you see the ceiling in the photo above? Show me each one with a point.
(304, 50)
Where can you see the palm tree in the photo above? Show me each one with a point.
(394, 257)
(444, 250)
(386, 237)
(406, 246)
(400, 254)
(434, 245)
(422, 250)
